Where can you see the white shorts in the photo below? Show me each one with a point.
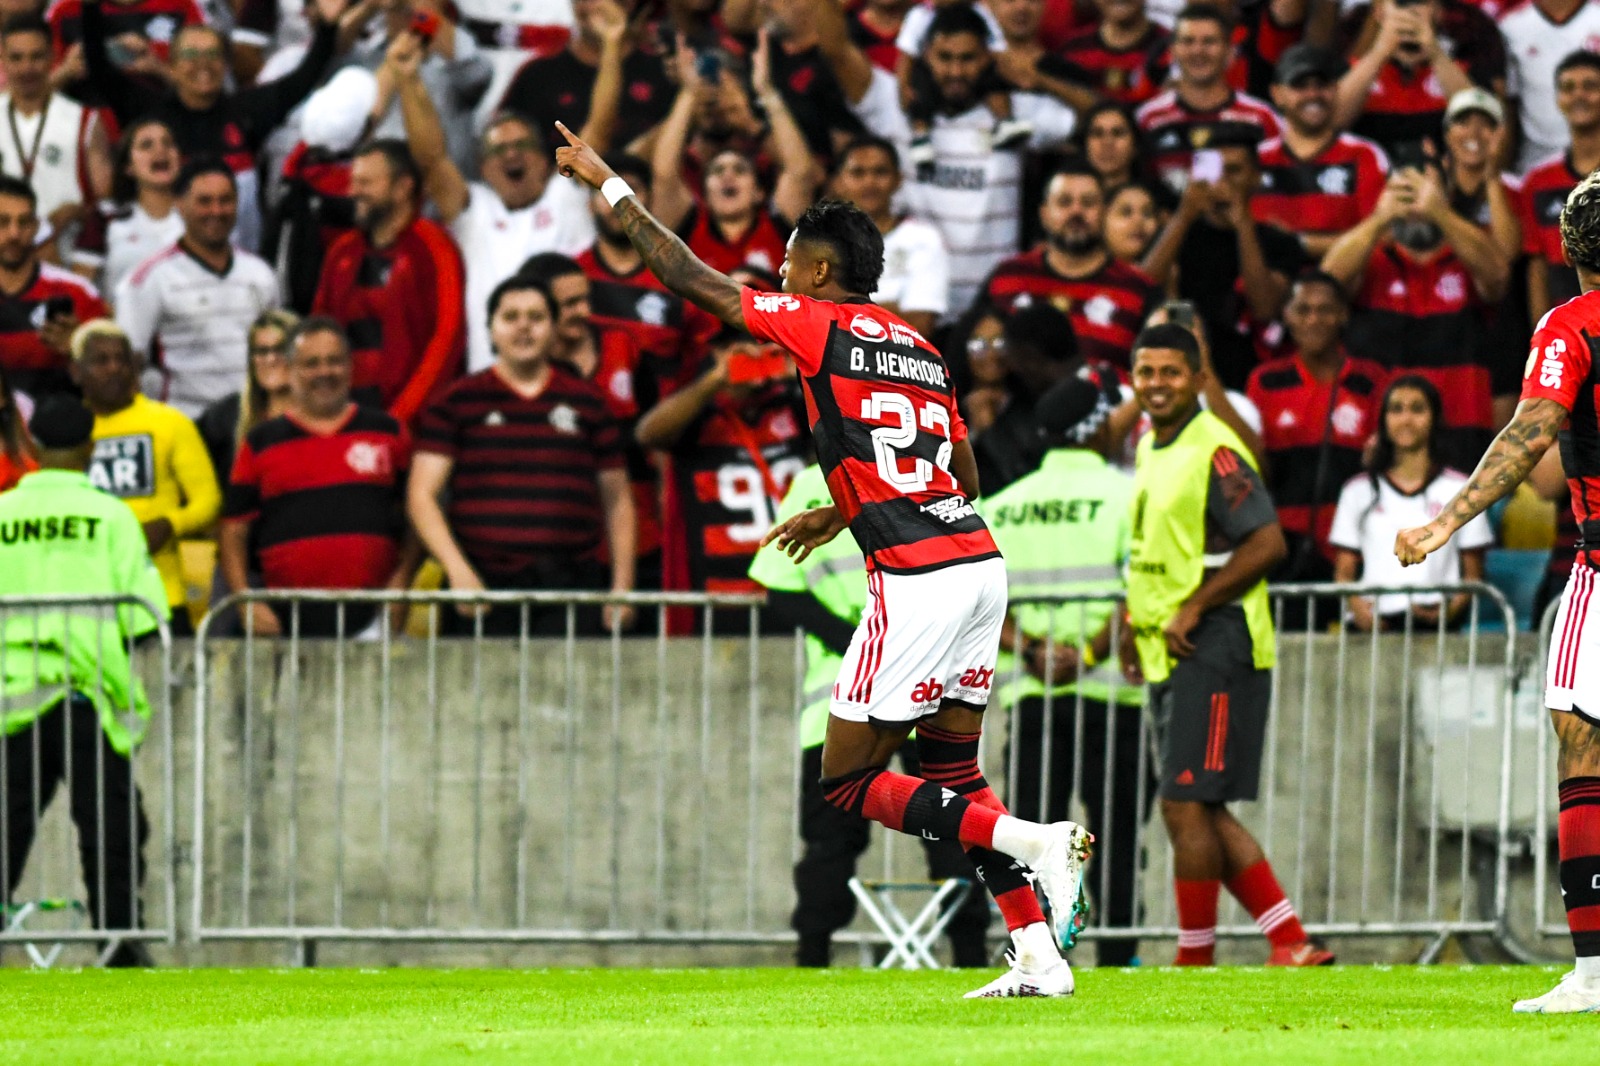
(924, 638)
(1572, 674)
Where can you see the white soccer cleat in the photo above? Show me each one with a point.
(1571, 995)
(1016, 982)
(1059, 873)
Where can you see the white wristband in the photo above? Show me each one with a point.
(615, 189)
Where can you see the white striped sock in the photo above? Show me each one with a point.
(1275, 916)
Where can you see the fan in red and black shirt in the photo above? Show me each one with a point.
(1107, 301)
(136, 26)
(536, 474)
(395, 284)
(1319, 409)
(1201, 110)
(1421, 279)
(1551, 279)
(1114, 59)
(318, 497)
(736, 439)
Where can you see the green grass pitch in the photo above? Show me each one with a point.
(1398, 1015)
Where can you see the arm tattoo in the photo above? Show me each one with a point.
(1514, 452)
(678, 268)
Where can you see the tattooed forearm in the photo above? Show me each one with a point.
(678, 268)
(1514, 452)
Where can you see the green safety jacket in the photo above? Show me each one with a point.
(61, 536)
(835, 574)
(1168, 559)
(1064, 531)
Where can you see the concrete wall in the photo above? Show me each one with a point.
(456, 787)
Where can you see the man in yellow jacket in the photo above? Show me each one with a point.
(146, 453)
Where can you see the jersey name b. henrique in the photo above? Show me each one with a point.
(1562, 366)
(884, 421)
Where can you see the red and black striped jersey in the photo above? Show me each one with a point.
(1172, 131)
(670, 331)
(884, 421)
(1326, 194)
(1127, 75)
(157, 21)
(28, 363)
(1258, 43)
(524, 484)
(732, 468)
(1562, 366)
(1424, 316)
(1405, 107)
(763, 244)
(1299, 415)
(327, 509)
(1107, 307)
(402, 307)
(1544, 194)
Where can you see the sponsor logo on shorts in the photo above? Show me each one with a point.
(1185, 778)
(929, 691)
(977, 677)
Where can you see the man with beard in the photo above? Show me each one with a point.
(670, 331)
(1315, 181)
(1235, 270)
(1106, 300)
(187, 310)
(394, 283)
(40, 304)
(520, 208)
(1201, 111)
(973, 196)
(1420, 277)
(916, 267)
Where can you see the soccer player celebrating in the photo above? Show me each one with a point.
(902, 476)
(1558, 397)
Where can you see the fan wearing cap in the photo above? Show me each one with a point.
(1064, 530)
(1315, 180)
(1474, 144)
(73, 708)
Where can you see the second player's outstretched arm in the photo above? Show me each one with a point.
(1503, 467)
(663, 252)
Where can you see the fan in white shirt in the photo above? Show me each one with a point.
(521, 208)
(142, 217)
(1405, 487)
(916, 267)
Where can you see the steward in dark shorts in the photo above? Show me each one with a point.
(1204, 536)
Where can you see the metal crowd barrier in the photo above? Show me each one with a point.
(608, 789)
(67, 799)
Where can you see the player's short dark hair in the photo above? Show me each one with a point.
(1206, 13)
(866, 142)
(520, 283)
(1172, 336)
(318, 324)
(1582, 59)
(196, 169)
(397, 155)
(546, 267)
(953, 19)
(1321, 277)
(1043, 329)
(24, 22)
(631, 168)
(16, 188)
(853, 238)
(1580, 224)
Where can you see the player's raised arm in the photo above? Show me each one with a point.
(667, 257)
(1515, 450)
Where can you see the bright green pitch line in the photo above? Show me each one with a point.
(1403, 1016)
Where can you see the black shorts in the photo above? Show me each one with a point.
(1211, 715)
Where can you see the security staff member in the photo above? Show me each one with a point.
(1205, 534)
(1064, 530)
(825, 596)
(71, 708)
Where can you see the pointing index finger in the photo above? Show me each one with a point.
(572, 138)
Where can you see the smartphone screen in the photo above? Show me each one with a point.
(1206, 165)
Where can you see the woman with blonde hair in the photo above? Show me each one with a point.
(265, 395)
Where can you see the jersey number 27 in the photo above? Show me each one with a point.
(886, 440)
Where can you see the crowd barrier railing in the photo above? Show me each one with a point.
(99, 865)
(555, 787)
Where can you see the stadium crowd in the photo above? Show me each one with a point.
(268, 244)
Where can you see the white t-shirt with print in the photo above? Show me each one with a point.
(1368, 525)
